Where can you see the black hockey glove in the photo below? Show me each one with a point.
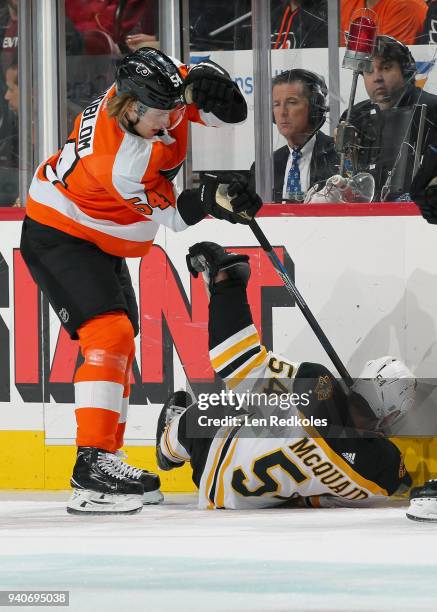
(210, 258)
(229, 196)
(212, 90)
(423, 189)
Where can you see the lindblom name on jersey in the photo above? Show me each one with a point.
(247, 420)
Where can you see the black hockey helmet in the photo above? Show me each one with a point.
(150, 76)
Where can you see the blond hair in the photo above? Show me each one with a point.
(117, 105)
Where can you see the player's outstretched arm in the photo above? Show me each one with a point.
(236, 351)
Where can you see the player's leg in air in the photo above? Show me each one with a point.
(175, 443)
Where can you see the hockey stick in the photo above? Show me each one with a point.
(293, 290)
(224, 201)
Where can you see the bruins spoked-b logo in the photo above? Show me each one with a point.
(64, 315)
(324, 388)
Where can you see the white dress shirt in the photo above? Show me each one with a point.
(304, 166)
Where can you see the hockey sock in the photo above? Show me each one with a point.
(106, 342)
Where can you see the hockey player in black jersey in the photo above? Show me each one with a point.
(326, 448)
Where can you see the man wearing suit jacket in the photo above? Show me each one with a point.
(299, 111)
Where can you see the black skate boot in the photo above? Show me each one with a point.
(176, 404)
(99, 488)
(423, 502)
(150, 481)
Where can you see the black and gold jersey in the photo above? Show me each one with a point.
(249, 464)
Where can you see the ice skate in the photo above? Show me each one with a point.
(100, 488)
(423, 502)
(150, 481)
(176, 404)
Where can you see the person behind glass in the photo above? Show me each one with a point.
(299, 111)
(402, 19)
(8, 33)
(12, 94)
(100, 199)
(9, 153)
(429, 34)
(390, 84)
(391, 80)
(296, 24)
(299, 24)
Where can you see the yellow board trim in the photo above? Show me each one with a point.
(27, 463)
(22, 464)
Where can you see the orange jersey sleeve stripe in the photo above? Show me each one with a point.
(110, 244)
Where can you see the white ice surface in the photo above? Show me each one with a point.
(175, 557)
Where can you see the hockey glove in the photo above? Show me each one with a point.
(423, 189)
(212, 90)
(210, 258)
(230, 197)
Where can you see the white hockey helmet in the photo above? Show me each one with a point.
(389, 389)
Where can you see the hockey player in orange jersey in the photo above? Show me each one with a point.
(99, 199)
(283, 432)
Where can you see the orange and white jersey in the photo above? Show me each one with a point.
(111, 187)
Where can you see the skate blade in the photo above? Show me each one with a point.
(100, 513)
(421, 519)
(423, 509)
(89, 502)
(152, 497)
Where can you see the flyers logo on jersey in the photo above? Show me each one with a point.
(143, 70)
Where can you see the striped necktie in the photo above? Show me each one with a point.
(294, 188)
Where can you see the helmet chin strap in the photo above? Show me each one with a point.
(140, 110)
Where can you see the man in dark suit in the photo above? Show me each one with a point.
(387, 124)
(299, 111)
